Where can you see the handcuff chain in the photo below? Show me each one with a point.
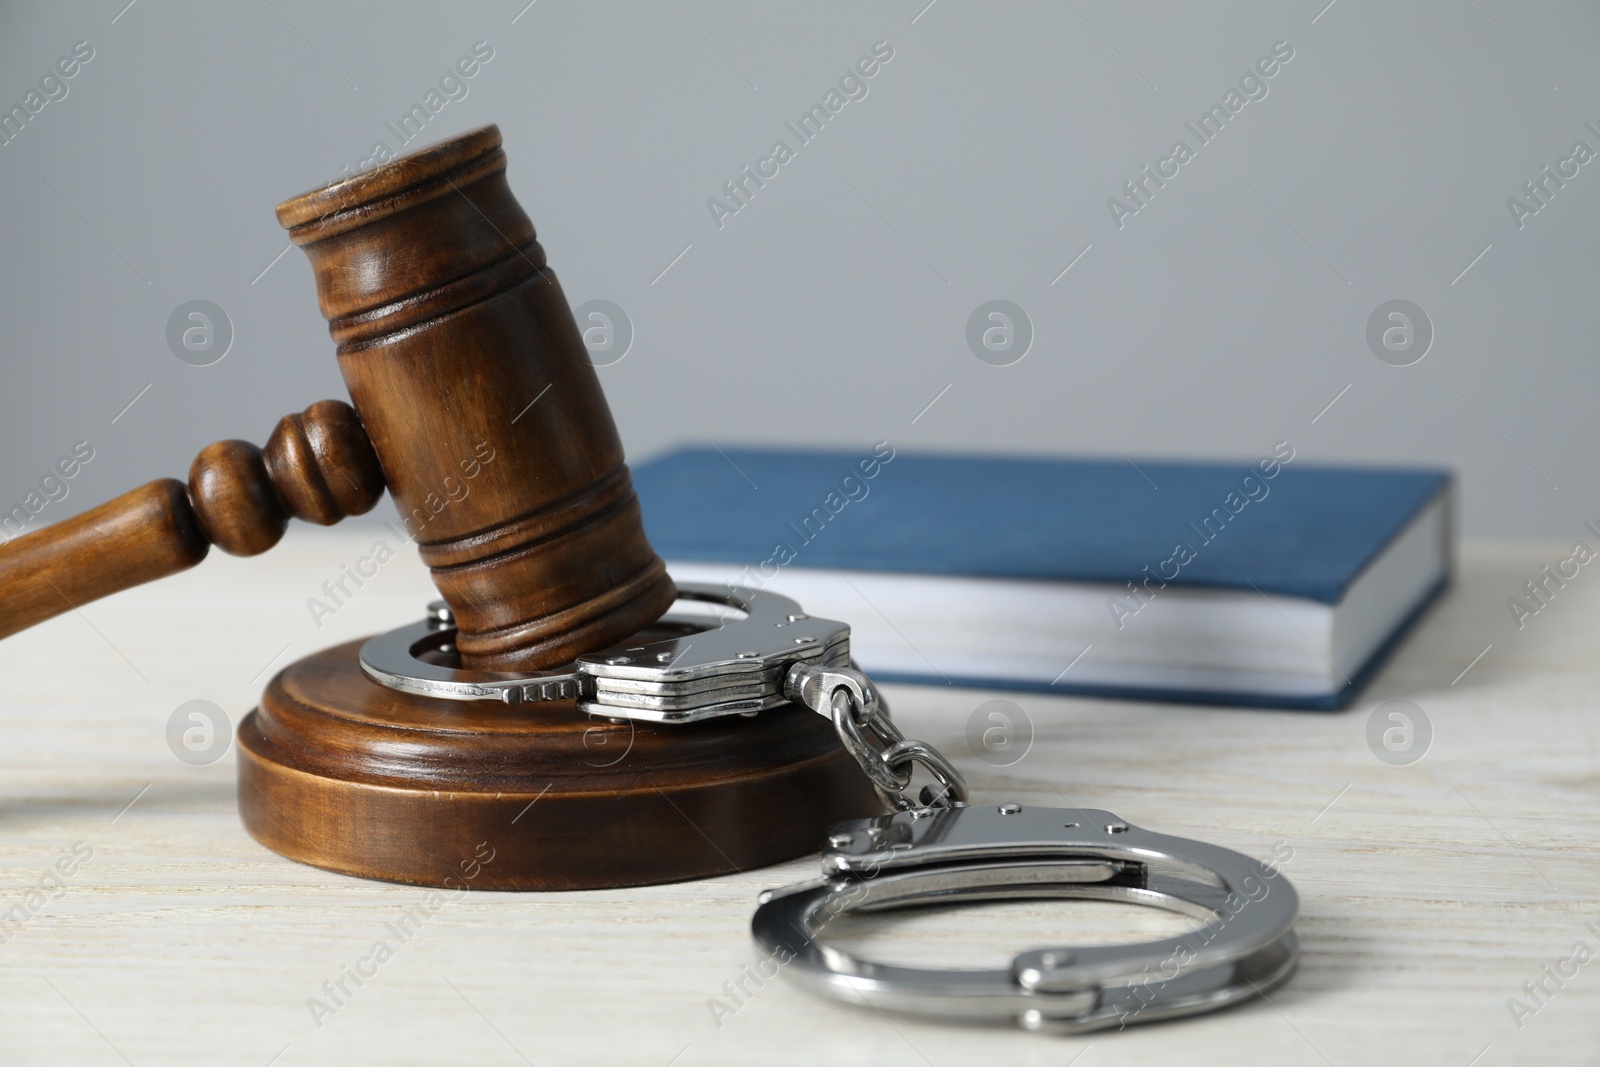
(848, 698)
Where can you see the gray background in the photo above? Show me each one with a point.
(1226, 315)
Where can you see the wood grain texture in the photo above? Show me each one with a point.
(339, 772)
(451, 329)
(144, 534)
(469, 374)
(1430, 893)
(317, 466)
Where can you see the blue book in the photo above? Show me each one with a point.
(1271, 582)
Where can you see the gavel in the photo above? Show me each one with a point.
(474, 403)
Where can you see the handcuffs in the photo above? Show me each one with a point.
(761, 651)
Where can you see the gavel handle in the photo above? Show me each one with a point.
(318, 465)
(140, 536)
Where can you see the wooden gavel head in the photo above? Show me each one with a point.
(474, 401)
(471, 379)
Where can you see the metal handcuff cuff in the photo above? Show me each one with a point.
(935, 849)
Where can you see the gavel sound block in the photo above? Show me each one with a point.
(456, 343)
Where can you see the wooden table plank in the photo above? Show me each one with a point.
(1431, 892)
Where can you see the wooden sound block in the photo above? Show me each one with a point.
(342, 773)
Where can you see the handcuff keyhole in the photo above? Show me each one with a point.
(1117, 828)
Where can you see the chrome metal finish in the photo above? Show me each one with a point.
(763, 651)
(420, 659)
(686, 667)
(969, 853)
(848, 698)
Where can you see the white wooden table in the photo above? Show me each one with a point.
(1431, 893)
